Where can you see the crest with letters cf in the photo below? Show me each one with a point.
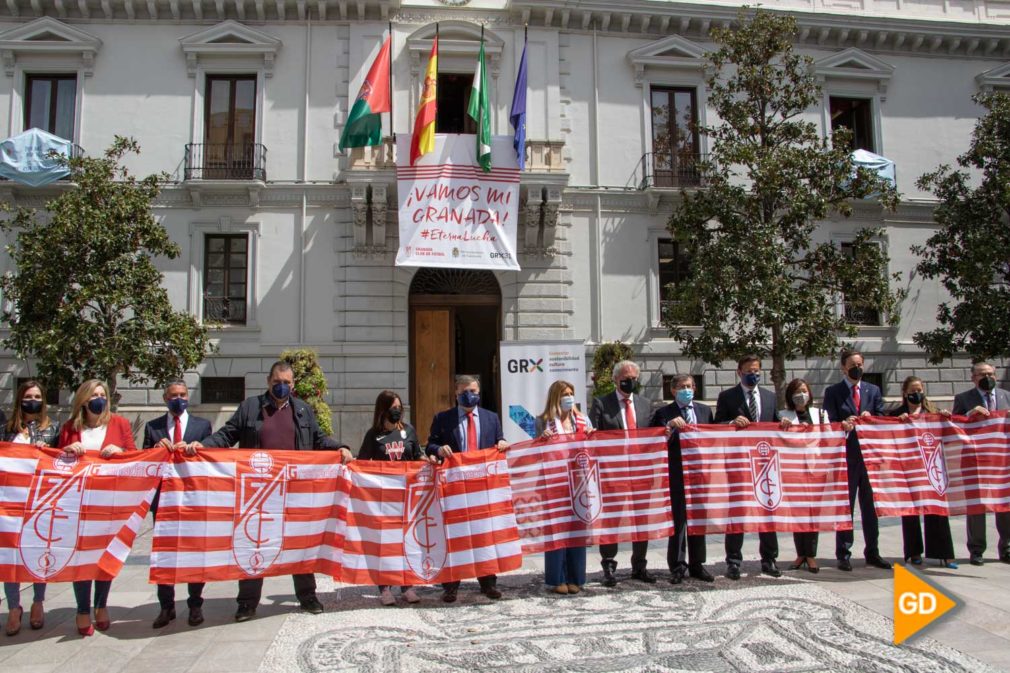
(52, 521)
(584, 482)
(424, 543)
(931, 451)
(261, 495)
(766, 472)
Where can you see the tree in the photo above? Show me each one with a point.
(606, 356)
(761, 281)
(310, 384)
(85, 299)
(970, 251)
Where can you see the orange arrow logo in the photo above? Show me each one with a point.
(917, 603)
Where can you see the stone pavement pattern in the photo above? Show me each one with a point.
(832, 621)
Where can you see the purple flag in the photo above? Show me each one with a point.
(518, 114)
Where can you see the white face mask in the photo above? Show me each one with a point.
(567, 403)
(801, 399)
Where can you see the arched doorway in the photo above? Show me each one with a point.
(455, 327)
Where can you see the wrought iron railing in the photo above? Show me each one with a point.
(680, 169)
(225, 161)
(224, 310)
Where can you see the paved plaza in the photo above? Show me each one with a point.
(833, 621)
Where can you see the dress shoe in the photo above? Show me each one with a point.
(561, 589)
(574, 588)
(769, 568)
(313, 606)
(643, 575)
(677, 576)
(245, 612)
(14, 624)
(163, 618)
(1005, 557)
(733, 572)
(195, 616)
(698, 572)
(386, 597)
(38, 616)
(609, 579)
(411, 596)
(449, 596)
(493, 593)
(976, 560)
(845, 564)
(878, 562)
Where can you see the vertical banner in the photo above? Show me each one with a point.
(452, 214)
(528, 368)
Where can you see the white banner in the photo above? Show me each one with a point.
(528, 370)
(453, 214)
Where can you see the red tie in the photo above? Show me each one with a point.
(177, 434)
(471, 432)
(629, 416)
(855, 397)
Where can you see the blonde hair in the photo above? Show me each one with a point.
(17, 420)
(554, 394)
(81, 397)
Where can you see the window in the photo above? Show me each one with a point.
(674, 137)
(51, 104)
(453, 98)
(856, 313)
(674, 269)
(229, 150)
(855, 114)
(876, 378)
(52, 392)
(225, 278)
(222, 389)
(699, 386)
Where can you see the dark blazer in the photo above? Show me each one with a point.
(243, 428)
(969, 399)
(445, 430)
(838, 401)
(664, 415)
(732, 403)
(197, 429)
(607, 412)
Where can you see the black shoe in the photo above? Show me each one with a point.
(677, 576)
(845, 564)
(163, 618)
(491, 592)
(245, 612)
(609, 579)
(976, 560)
(698, 572)
(643, 575)
(312, 606)
(733, 572)
(878, 562)
(449, 596)
(195, 616)
(1005, 557)
(769, 568)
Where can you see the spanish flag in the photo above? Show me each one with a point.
(423, 139)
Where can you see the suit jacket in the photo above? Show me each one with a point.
(197, 429)
(245, 424)
(607, 412)
(838, 401)
(119, 432)
(969, 399)
(732, 403)
(445, 430)
(663, 415)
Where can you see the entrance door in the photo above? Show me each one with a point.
(431, 368)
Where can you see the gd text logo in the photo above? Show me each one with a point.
(524, 365)
(917, 603)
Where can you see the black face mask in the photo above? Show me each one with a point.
(915, 398)
(31, 406)
(628, 386)
(394, 415)
(987, 383)
(855, 373)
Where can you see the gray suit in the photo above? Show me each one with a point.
(975, 523)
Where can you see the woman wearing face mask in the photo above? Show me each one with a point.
(564, 569)
(800, 411)
(391, 438)
(92, 427)
(29, 424)
(939, 543)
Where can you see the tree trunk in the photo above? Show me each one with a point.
(778, 367)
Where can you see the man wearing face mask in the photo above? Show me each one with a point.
(685, 554)
(466, 427)
(980, 401)
(623, 409)
(845, 401)
(176, 431)
(740, 406)
(275, 420)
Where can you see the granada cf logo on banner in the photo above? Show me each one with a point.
(931, 450)
(261, 495)
(584, 483)
(424, 543)
(52, 520)
(767, 475)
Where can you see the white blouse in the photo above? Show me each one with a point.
(93, 438)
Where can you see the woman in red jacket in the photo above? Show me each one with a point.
(92, 427)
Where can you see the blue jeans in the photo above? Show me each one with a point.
(13, 592)
(565, 566)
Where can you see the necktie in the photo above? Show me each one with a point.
(990, 401)
(629, 415)
(177, 433)
(471, 432)
(689, 414)
(752, 405)
(855, 397)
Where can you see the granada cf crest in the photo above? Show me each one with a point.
(584, 485)
(766, 472)
(931, 450)
(52, 520)
(424, 543)
(261, 496)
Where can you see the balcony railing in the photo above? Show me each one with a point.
(671, 170)
(224, 310)
(225, 161)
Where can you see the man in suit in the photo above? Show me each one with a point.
(176, 431)
(466, 427)
(685, 554)
(623, 409)
(843, 402)
(984, 398)
(742, 405)
(276, 419)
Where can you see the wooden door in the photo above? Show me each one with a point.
(431, 375)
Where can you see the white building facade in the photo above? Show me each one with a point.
(290, 243)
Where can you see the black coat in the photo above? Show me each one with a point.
(244, 427)
(732, 403)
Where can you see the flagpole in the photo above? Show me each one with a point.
(392, 123)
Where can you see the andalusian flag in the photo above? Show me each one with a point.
(478, 110)
(364, 124)
(423, 139)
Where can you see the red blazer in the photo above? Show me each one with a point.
(118, 432)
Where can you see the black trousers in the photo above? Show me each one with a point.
(859, 486)
(768, 547)
(485, 582)
(938, 544)
(250, 591)
(681, 549)
(806, 544)
(976, 533)
(639, 549)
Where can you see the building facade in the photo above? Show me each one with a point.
(288, 242)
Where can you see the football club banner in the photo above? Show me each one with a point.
(763, 479)
(452, 213)
(65, 518)
(528, 370)
(227, 514)
(576, 491)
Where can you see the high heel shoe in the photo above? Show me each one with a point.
(813, 567)
(102, 624)
(37, 622)
(14, 627)
(914, 560)
(88, 630)
(949, 564)
(798, 563)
